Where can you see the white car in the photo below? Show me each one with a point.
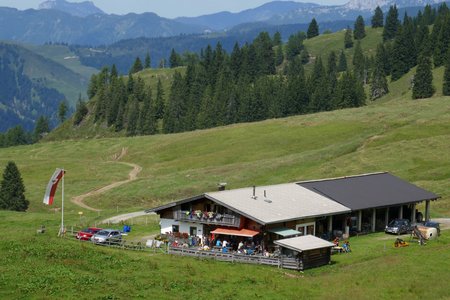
(107, 236)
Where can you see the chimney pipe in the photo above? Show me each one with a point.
(265, 194)
(254, 191)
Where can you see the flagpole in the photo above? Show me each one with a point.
(62, 204)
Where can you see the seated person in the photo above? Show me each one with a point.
(336, 242)
(346, 246)
(218, 243)
(241, 245)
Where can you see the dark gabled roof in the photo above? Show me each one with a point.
(370, 191)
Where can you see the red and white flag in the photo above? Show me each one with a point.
(52, 185)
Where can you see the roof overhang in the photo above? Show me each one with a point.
(304, 243)
(235, 232)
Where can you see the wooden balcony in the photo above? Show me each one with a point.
(212, 219)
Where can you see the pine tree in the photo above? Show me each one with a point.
(12, 189)
(392, 24)
(147, 62)
(279, 56)
(359, 64)
(359, 29)
(400, 56)
(342, 65)
(304, 56)
(348, 39)
(423, 80)
(80, 112)
(277, 41)
(313, 29)
(294, 45)
(137, 66)
(265, 55)
(379, 85)
(378, 18)
(133, 116)
(114, 73)
(446, 87)
(442, 41)
(236, 60)
(174, 59)
(41, 128)
(62, 111)
(159, 101)
(147, 116)
(175, 110)
(350, 92)
(92, 86)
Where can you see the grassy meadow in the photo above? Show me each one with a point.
(409, 138)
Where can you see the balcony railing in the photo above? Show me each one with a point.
(207, 218)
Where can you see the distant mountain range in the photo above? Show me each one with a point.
(81, 9)
(83, 23)
(49, 25)
(290, 12)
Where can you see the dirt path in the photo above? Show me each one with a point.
(124, 217)
(78, 200)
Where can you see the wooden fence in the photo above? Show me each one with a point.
(280, 262)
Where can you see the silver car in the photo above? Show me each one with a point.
(107, 236)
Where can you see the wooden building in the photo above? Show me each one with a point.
(321, 208)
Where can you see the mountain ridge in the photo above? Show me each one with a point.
(78, 9)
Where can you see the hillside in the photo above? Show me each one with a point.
(396, 134)
(40, 84)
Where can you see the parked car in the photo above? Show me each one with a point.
(398, 226)
(107, 236)
(434, 225)
(87, 233)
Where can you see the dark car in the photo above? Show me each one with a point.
(87, 233)
(398, 226)
(434, 225)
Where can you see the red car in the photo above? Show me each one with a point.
(86, 234)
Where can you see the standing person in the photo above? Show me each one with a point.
(224, 243)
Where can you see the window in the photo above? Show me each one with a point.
(306, 228)
(175, 228)
(193, 231)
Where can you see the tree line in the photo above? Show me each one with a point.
(266, 78)
(16, 136)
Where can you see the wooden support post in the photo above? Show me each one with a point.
(427, 210)
(386, 216)
(400, 212)
(359, 221)
(413, 213)
(330, 223)
(374, 219)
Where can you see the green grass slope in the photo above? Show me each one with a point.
(406, 137)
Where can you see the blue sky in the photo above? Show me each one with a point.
(165, 8)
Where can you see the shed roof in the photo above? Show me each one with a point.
(284, 232)
(277, 203)
(304, 243)
(369, 191)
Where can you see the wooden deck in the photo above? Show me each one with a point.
(280, 262)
